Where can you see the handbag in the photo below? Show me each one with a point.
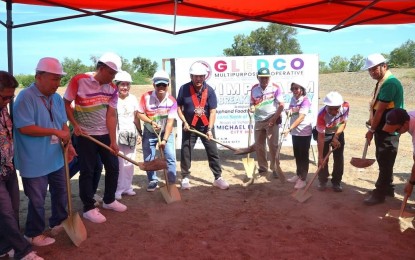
(127, 138)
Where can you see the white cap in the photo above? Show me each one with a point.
(198, 68)
(112, 60)
(161, 77)
(333, 99)
(51, 65)
(373, 60)
(123, 76)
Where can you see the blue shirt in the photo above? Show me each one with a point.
(37, 156)
(184, 100)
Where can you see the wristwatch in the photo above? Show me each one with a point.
(411, 182)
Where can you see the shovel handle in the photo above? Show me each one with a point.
(68, 178)
(405, 199)
(109, 149)
(318, 170)
(214, 140)
(365, 149)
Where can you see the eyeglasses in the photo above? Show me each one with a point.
(161, 85)
(5, 98)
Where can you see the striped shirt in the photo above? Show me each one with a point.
(266, 101)
(91, 102)
(327, 123)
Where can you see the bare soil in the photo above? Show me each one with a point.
(263, 220)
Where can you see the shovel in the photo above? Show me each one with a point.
(169, 191)
(362, 162)
(249, 163)
(405, 218)
(303, 195)
(154, 165)
(280, 173)
(73, 225)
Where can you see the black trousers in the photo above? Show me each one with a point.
(188, 143)
(338, 161)
(386, 151)
(301, 149)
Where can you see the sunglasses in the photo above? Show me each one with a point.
(161, 85)
(5, 98)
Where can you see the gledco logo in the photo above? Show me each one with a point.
(208, 68)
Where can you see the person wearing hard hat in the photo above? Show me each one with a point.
(40, 129)
(94, 114)
(197, 104)
(387, 95)
(158, 110)
(300, 129)
(12, 242)
(400, 121)
(267, 103)
(331, 122)
(129, 133)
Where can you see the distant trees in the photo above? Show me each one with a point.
(404, 56)
(274, 39)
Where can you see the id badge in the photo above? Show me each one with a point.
(54, 139)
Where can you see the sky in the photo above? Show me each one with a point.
(84, 37)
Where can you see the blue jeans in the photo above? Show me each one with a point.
(10, 236)
(149, 143)
(35, 189)
(88, 153)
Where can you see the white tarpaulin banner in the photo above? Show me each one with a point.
(232, 79)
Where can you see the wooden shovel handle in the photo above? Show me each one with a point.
(109, 149)
(214, 140)
(405, 199)
(68, 178)
(365, 149)
(319, 169)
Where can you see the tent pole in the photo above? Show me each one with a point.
(175, 14)
(9, 28)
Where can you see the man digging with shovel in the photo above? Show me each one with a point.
(267, 103)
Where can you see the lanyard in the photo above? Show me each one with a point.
(49, 108)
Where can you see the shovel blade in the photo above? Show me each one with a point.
(75, 229)
(154, 165)
(170, 194)
(249, 166)
(361, 163)
(394, 213)
(301, 195)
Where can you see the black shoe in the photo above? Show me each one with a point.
(374, 199)
(337, 188)
(322, 186)
(389, 193)
(262, 173)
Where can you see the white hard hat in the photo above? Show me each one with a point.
(373, 60)
(51, 65)
(333, 99)
(112, 60)
(123, 76)
(198, 68)
(161, 77)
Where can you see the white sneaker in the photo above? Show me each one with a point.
(185, 184)
(40, 240)
(293, 179)
(221, 184)
(97, 198)
(9, 254)
(116, 206)
(130, 193)
(56, 229)
(300, 184)
(93, 215)
(32, 256)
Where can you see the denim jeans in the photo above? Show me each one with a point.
(149, 143)
(88, 153)
(35, 189)
(386, 151)
(10, 236)
(301, 148)
(188, 144)
(338, 161)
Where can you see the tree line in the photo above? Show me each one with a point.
(271, 40)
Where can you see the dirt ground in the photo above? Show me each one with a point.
(263, 220)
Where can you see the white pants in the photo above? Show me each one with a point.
(125, 177)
